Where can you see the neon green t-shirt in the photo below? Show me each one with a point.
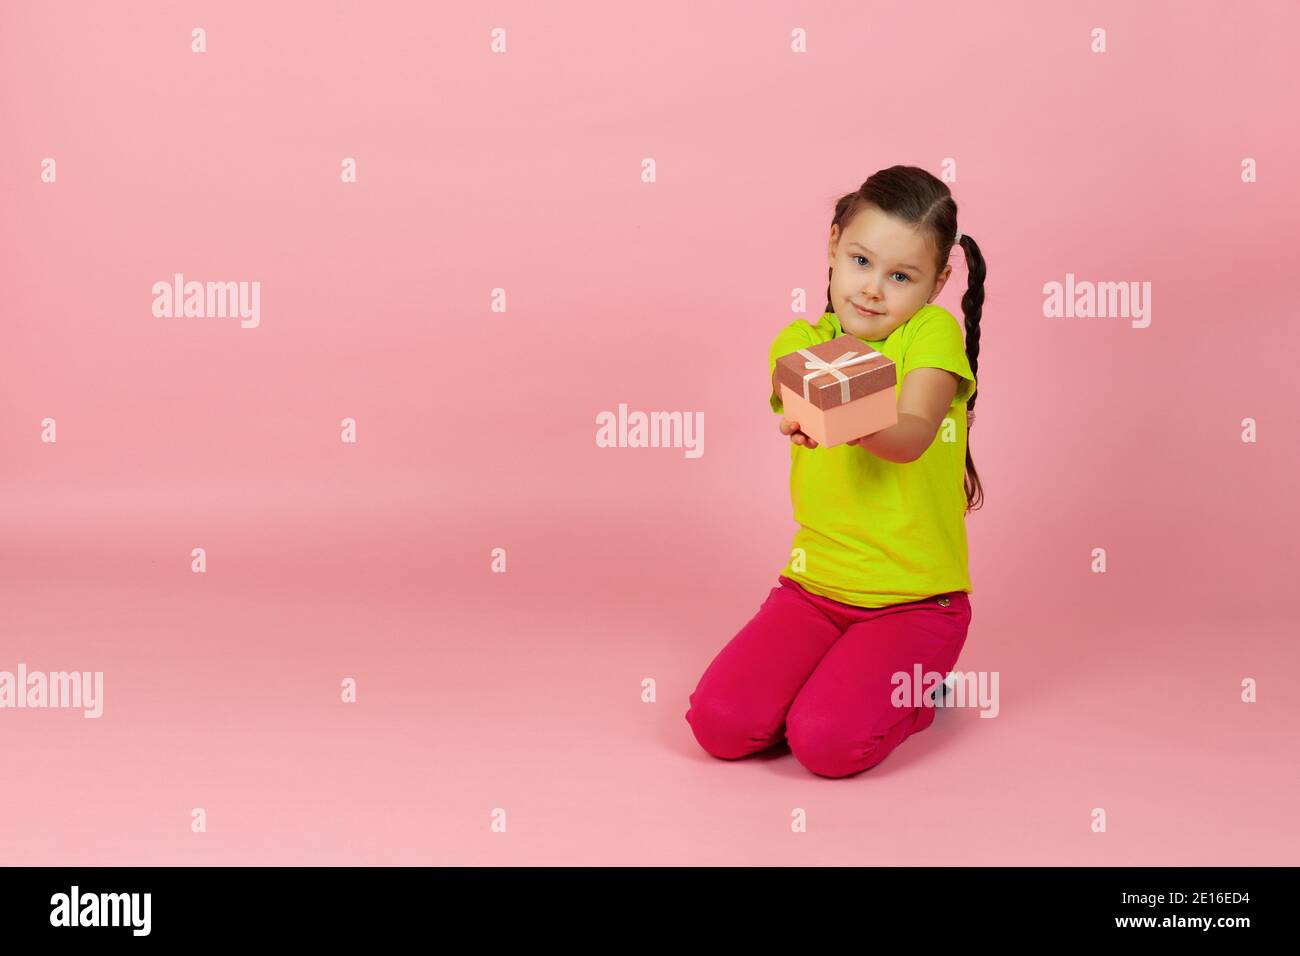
(874, 532)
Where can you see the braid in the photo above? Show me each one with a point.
(972, 307)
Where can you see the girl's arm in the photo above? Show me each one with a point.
(923, 401)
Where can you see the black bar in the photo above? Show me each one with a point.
(968, 904)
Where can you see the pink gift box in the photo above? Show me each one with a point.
(838, 390)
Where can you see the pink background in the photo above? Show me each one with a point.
(521, 171)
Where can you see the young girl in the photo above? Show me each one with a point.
(877, 581)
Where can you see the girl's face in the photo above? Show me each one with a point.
(880, 264)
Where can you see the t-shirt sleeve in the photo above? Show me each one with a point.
(939, 344)
(797, 335)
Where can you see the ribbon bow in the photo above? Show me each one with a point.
(819, 366)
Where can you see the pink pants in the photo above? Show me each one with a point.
(818, 674)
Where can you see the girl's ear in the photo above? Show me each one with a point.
(939, 282)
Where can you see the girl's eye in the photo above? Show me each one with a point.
(906, 277)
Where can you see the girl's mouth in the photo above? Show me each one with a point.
(862, 311)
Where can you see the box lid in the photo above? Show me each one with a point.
(850, 369)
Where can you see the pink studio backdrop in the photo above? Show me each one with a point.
(521, 171)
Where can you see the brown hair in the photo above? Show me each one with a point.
(915, 196)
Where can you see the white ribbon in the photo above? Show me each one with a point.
(819, 366)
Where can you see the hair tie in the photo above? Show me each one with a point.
(957, 241)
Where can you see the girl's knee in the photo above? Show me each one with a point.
(829, 749)
(725, 732)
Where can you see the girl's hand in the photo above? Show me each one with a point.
(799, 438)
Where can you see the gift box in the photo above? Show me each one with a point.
(838, 390)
